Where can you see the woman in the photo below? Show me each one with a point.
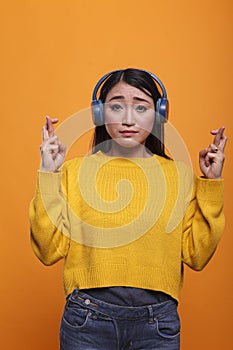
(113, 217)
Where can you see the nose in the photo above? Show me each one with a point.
(128, 118)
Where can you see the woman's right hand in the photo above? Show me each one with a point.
(52, 150)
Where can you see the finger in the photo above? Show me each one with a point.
(62, 148)
(45, 134)
(218, 135)
(214, 132)
(50, 141)
(48, 129)
(53, 140)
(48, 149)
(52, 148)
(47, 141)
(222, 143)
(49, 125)
(213, 148)
(203, 155)
(209, 159)
(55, 152)
(212, 156)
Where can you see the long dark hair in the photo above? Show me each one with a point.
(144, 82)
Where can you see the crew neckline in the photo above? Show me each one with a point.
(123, 161)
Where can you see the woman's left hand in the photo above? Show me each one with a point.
(212, 158)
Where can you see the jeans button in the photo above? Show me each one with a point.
(87, 301)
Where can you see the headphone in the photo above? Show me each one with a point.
(162, 105)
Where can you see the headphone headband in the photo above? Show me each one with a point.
(105, 77)
(98, 108)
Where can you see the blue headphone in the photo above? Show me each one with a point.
(161, 113)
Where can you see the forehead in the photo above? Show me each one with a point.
(127, 91)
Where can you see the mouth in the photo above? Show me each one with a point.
(128, 132)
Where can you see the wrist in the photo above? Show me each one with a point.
(211, 177)
(44, 170)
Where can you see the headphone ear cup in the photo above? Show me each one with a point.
(161, 113)
(98, 112)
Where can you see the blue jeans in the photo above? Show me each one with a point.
(91, 324)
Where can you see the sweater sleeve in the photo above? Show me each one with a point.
(49, 221)
(203, 223)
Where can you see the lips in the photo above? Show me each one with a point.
(128, 132)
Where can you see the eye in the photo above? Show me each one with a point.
(141, 108)
(116, 107)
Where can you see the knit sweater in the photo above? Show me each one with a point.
(126, 222)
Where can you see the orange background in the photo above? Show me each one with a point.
(52, 54)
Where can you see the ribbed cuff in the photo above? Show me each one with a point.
(48, 182)
(210, 189)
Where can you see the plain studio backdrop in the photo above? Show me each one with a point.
(52, 54)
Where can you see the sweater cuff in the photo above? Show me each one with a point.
(48, 182)
(210, 189)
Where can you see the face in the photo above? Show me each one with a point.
(129, 116)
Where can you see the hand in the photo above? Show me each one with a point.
(52, 150)
(212, 158)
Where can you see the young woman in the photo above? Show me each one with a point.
(125, 219)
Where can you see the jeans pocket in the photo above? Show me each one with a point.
(168, 325)
(75, 316)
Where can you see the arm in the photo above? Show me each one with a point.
(204, 221)
(48, 209)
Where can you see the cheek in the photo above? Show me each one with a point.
(111, 121)
(111, 128)
(148, 123)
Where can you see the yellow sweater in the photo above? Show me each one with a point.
(126, 222)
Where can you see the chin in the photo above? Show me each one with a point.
(128, 144)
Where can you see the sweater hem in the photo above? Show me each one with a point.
(112, 276)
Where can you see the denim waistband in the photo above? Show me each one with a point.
(122, 312)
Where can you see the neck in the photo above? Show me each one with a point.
(138, 151)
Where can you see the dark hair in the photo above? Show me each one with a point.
(144, 82)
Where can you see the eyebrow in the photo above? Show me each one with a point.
(121, 97)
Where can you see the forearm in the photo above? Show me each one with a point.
(203, 223)
(48, 219)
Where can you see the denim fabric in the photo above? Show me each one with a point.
(91, 324)
(128, 296)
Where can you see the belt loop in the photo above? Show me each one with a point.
(151, 315)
